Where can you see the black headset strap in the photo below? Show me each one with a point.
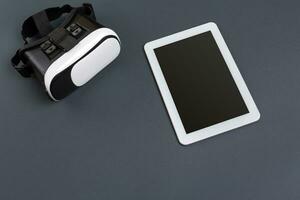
(38, 26)
(39, 23)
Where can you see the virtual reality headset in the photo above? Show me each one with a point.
(67, 56)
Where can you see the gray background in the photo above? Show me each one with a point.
(112, 139)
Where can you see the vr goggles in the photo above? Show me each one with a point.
(67, 56)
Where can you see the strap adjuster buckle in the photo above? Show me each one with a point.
(61, 38)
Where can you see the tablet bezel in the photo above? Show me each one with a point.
(188, 138)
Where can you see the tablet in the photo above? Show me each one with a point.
(200, 84)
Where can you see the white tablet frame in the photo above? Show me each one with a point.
(218, 128)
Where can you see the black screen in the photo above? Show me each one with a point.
(200, 82)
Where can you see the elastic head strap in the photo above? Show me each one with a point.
(39, 24)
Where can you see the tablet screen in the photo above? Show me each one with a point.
(200, 82)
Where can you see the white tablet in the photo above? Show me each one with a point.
(200, 84)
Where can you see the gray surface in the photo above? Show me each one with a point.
(113, 139)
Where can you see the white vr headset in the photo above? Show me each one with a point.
(68, 56)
